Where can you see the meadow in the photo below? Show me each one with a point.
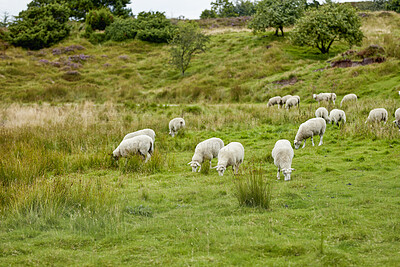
(64, 201)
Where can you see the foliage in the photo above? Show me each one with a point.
(99, 19)
(327, 24)
(225, 8)
(121, 30)
(154, 27)
(187, 41)
(276, 14)
(39, 27)
(208, 14)
(79, 8)
(245, 8)
(394, 5)
(5, 20)
(253, 190)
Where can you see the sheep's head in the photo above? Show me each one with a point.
(297, 144)
(114, 156)
(314, 96)
(194, 165)
(287, 172)
(220, 169)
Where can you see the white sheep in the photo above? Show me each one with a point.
(298, 99)
(230, 155)
(397, 117)
(206, 150)
(377, 115)
(325, 97)
(322, 113)
(349, 97)
(284, 99)
(337, 115)
(315, 126)
(283, 155)
(142, 145)
(276, 100)
(291, 102)
(175, 125)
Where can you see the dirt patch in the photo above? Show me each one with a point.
(352, 58)
(289, 81)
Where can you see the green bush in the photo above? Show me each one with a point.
(121, 29)
(154, 27)
(40, 26)
(99, 19)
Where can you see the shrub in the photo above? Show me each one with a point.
(154, 27)
(253, 190)
(99, 19)
(121, 30)
(40, 26)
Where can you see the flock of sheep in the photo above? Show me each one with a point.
(142, 142)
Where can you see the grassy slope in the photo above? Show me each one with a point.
(65, 202)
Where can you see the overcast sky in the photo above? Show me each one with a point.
(173, 8)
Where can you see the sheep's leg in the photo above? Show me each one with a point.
(304, 143)
(199, 168)
(148, 156)
(320, 140)
(312, 140)
(210, 164)
(278, 176)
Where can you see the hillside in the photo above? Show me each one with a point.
(238, 66)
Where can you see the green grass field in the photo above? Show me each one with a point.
(64, 201)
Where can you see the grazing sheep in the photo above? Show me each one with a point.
(349, 97)
(291, 102)
(276, 100)
(325, 97)
(206, 150)
(284, 99)
(397, 118)
(315, 126)
(148, 132)
(283, 154)
(298, 99)
(377, 115)
(175, 125)
(322, 113)
(142, 145)
(230, 155)
(337, 115)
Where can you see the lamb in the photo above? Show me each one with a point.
(206, 150)
(142, 145)
(298, 99)
(291, 102)
(337, 115)
(230, 155)
(397, 117)
(284, 99)
(377, 115)
(322, 113)
(148, 132)
(283, 155)
(315, 126)
(325, 97)
(349, 97)
(175, 125)
(276, 100)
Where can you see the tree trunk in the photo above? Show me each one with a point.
(281, 30)
(276, 32)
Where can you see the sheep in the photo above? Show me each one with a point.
(148, 132)
(175, 125)
(142, 145)
(349, 97)
(322, 113)
(309, 129)
(230, 155)
(397, 117)
(298, 99)
(377, 115)
(337, 115)
(325, 97)
(284, 99)
(283, 155)
(291, 102)
(276, 100)
(206, 150)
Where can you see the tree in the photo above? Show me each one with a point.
(330, 22)
(208, 14)
(40, 26)
(394, 5)
(276, 14)
(187, 41)
(244, 8)
(154, 27)
(223, 8)
(79, 8)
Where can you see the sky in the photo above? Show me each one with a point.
(190, 9)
